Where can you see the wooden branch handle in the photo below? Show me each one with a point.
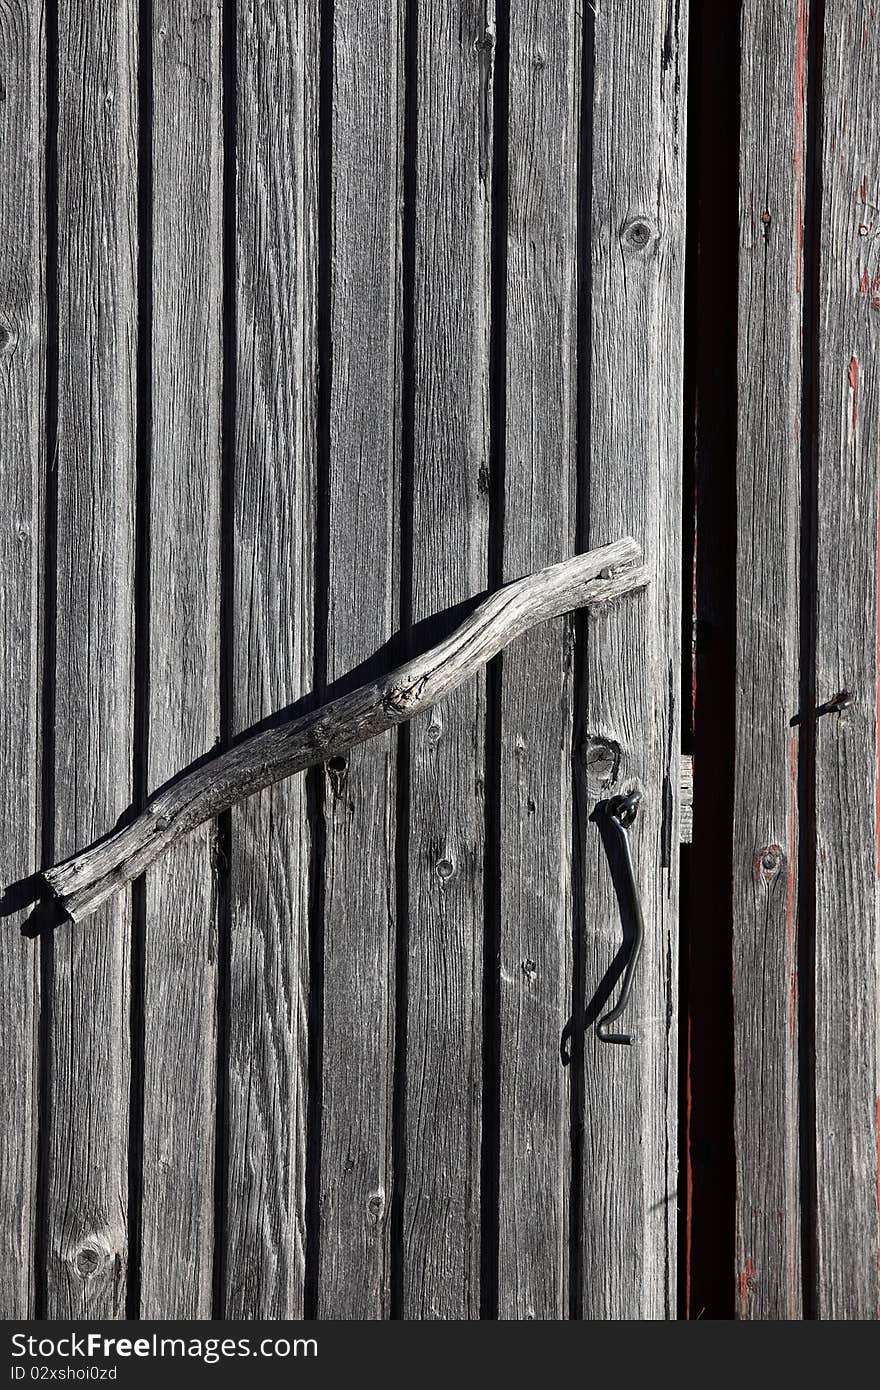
(82, 883)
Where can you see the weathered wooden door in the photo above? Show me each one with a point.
(316, 319)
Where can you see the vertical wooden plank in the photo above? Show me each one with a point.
(536, 687)
(441, 1208)
(22, 358)
(94, 463)
(848, 744)
(631, 705)
(180, 941)
(765, 829)
(272, 648)
(362, 573)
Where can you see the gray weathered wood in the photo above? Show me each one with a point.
(630, 703)
(765, 829)
(847, 576)
(363, 480)
(540, 468)
(686, 799)
(293, 744)
(264, 1260)
(180, 932)
(22, 363)
(444, 1041)
(88, 1004)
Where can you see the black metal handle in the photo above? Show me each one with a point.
(622, 812)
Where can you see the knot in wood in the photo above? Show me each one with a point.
(87, 1260)
(445, 869)
(405, 697)
(768, 861)
(601, 763)
(637, 234)
(8, 338)
(486, 41)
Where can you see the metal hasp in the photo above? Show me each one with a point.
(622, 812)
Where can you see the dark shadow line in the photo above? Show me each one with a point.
(224, 848)
(708, 1231)
(315, 777)
(141, 732)
(584, 330)
(806, 905)
(402, 823)
(490, 1136)
(49, 656)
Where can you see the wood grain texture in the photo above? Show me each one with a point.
(765, 829)
(363, 486)
(535, 988)
(848, 566)
(450, 465)
(629, 707)
(22, 365)
(276, 189)
(88, 1020)
(180, 934)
